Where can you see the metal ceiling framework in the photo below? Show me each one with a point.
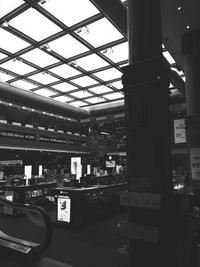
(99, 90)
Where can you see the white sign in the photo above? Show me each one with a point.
(179, 131)
(195, 163)
(64, 209)
(76, 167)
(28, 171)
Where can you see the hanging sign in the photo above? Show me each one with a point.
(179, 131)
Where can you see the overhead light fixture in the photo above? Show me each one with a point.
(5, 24)
(84, 30)
(17, 60)
(108, 51)
(42, 2)
(46, 47)
(73, 63)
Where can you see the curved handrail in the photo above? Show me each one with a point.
(48, 228)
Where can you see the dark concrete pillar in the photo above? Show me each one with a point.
(191, 56)
(147, 113)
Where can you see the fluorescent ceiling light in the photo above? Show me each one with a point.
(64, 71)
(70, 12)
(91, 62)
(17, 66)
(108, 74)
(84, 81)
(44, 92)
(100, 89)
(34, 24)
(39, 58)
(23, 84)
(100, 33)
(67, 46)
(117, 53)
(10, 42)
(168, 57)
(179, 72)
(43, 78)
(62, 98)
(64, 87)
(81, 94)
(8, 6)
(114, 96)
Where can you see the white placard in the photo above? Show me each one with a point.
(64, 209)
(195, 163)
(179, 131)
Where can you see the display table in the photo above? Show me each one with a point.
(26, 193)
(77, 206)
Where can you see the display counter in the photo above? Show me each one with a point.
(77, 206)
(27, 193)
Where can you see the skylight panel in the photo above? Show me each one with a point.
(118, 85)
(23, 85)
(8, 6)
(5, 77)
(91, 62)
(67, 46)
(81, 94)
(64, 87)
(62, 98)
(100, 32)
(10, 42)
(39, 58)
(34, 24)
(65, 10)
(64, 71)
(114, 96)
(17, 66)
(117, 53)
(168, 57)
(44, 92)
(2, 55)
(100, 89)
(43, 78)
(95, 100)
(77, 103)
(108, 74)
(84, 81)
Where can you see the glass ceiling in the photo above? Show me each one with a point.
(64, 50)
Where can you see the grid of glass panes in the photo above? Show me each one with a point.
(74, 59)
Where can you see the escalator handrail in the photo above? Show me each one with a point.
(47, 222)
